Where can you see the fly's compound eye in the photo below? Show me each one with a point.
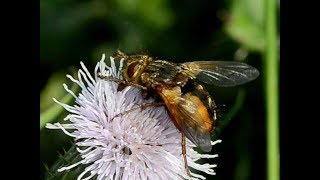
(132, 68)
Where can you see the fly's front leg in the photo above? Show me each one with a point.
(122, 83)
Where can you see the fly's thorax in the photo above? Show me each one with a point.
(159, 71)
(180, 79)
(149, 82)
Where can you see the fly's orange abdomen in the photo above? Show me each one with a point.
(202, 110)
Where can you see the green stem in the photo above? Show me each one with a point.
(271, 90)
(221, 124)
(236, 107)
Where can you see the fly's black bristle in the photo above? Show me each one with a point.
(189, 87)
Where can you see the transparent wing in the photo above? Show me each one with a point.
(222, 73)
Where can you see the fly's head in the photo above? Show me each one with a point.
(134, 66)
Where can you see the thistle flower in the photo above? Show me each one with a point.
(142, 144)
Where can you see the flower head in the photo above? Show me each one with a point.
(142, 144)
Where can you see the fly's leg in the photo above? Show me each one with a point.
(140, 107)
(122, 82)
(184, 153)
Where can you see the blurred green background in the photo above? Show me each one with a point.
(232, 30)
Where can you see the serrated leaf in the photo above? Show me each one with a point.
(70, 157)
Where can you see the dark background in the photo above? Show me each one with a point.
(232, 30)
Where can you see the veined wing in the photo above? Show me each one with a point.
(221, 73)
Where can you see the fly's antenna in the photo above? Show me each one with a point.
(120, 55)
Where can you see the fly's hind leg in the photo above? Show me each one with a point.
(184, 153)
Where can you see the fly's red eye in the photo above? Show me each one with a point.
(132, 68)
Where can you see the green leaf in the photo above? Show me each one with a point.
(246, 24)
(156, 14)
(49, 110)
